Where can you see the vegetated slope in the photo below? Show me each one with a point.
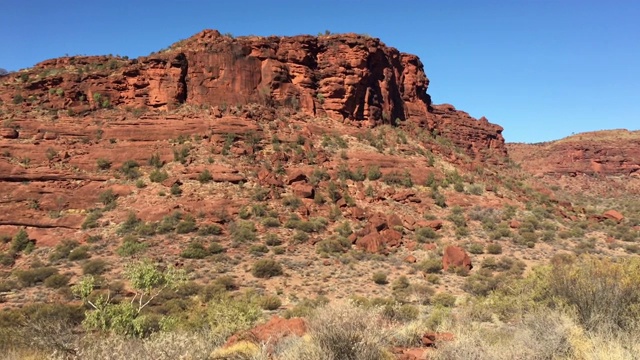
(323, 154)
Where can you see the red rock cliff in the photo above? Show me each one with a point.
(345, 76)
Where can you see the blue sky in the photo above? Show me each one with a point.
(543, 69)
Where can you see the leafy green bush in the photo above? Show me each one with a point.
(266, 268)
(130, 246)
(108, 198)
(226, 316)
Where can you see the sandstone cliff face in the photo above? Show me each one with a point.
(345, 77)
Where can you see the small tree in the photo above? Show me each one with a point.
(125, 318)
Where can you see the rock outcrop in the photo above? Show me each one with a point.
(455, 256)
(612, 152)
(346, 77)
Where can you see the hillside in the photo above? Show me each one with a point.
(284, 168)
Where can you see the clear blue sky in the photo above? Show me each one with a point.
(542, 69)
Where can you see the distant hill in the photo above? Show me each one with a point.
(3, 71)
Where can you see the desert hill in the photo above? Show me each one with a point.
(283, 169)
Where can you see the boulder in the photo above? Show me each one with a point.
(455, 256)
(614, 215)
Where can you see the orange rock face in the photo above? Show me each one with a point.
(346, 77)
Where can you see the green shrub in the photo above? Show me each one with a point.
(423, 235)
(91, 221)
(443, 299)
(129, 225)
(169, 223)
(205, 176)
(94, 267)
(21, 242)
(272, 240)
(155, 161)
(494, 248)
(332, 245)
(7, 259)
(292, 202)
(108, 197)
(181, 154)
(215, 248)
(271, 222)
(243, 231)
(130, 169)
(63, 249)
(604, 293)
(258, 249)
(476, 248)
(305, 308)
(266, 268)
(482, 282)
(373, 173)
(130, 246)
(397, 179)
(270, 302)
(146, 229)
(187, 225)
(31, 277)
(439, 199)
(380, 278)
(158, 176)
(431, 265)
(227, 316)
(210, 229)
(79, 253)
(56, 281)
(346, 332)
(300, 237)
(103, 164)
(195, 250)
(175, 190)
